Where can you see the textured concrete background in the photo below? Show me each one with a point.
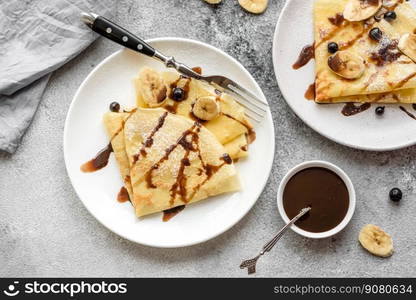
(46, 231)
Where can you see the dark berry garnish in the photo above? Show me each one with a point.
(376, 34)
(390, 16)
(114, 106)
(380, 110)
(395, 194)
(332, 47)
(178, 94)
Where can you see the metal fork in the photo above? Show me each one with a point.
(250, 264)
(255, 107)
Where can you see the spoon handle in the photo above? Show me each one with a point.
(250, 264)
(273, 241)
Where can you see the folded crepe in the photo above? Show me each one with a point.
(114, 123)
(231, 127)
(389, 76)
(167, 160)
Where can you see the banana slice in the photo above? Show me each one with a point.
(346, 64)
(358, 10)
(376, 241)
(254, 6)
(206, 108)
(213, 1)
(152, 87)
(407, 45)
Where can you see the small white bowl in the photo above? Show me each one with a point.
(336, 170)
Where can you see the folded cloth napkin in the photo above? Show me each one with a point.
(36, 38)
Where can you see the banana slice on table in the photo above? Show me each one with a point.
(152, 87)
(407, 45)
(376, 241)
(254, 6)
(346, 64)
(213, 1)
(358, 10)
(206, 108)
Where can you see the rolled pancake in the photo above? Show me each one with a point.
(400, 96)
(378, 77)
(174, 161)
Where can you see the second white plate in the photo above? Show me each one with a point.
(365, 130)
(84, 135)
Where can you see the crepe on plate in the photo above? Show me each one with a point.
(388, 75)
(172, 160)
(230, 126)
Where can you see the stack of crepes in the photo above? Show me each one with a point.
(375, 61)
(180, 143)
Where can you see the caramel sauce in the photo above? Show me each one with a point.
(351, 109)
(123, 195)
(99, 161)
(337, 20)
(323, 191)
(306, 54)
(171, 212)
(407, 112)
(310, 92)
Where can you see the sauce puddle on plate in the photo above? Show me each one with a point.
(322, 190)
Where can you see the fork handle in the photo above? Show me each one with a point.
(118, 34)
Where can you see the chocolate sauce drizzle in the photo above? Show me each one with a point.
(123, 195)
(171, 212)
(149, 140)
(386, 54)
(310, 92)
(189, 141)
(102, 157)
(336, 20)
(306, 54)
(174, 107)
(351, 109)
(99, 161)
(251, 134)
(407, 112)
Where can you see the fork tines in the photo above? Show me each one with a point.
(255, 108)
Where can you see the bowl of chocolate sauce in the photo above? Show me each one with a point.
(326, 189)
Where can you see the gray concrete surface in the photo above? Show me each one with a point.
(46, 231)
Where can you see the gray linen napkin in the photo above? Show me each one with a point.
(36, 38)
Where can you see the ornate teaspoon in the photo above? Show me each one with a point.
(250, 264)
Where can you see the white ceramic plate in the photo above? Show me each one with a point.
(362, 131)
(84, 135)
